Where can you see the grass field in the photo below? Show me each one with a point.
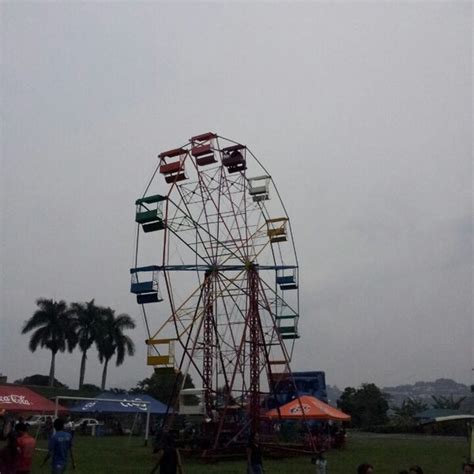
(119, 455)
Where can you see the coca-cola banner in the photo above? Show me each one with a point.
(14, 398)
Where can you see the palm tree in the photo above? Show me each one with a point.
(112, 339)
(87, 316)
(54, 329)
(446, 403)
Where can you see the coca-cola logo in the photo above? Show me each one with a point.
(88, 405)
(12, 398)
(137, 403)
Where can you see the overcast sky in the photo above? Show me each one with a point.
(362, 112)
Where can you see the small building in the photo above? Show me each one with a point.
(312, 383)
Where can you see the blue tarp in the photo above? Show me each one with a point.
(129, 403)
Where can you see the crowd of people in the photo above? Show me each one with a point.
(169, 460)
(16, 457)
(325, 436)
(366, 468)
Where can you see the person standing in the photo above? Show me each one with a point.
(169, 460)
(254, 455)
(8, 455)
(59, 447)
(365, 468)
(321, 463)
(70, 427)
(8, 423)
(468, 468)
(48, 428)
(26, 445)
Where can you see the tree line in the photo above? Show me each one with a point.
(59, 326)
(368, 406)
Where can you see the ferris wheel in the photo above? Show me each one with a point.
(216, 273)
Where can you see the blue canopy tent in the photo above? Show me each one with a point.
(118, 404)
(126, 403)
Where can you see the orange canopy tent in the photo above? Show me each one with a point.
(313, 408)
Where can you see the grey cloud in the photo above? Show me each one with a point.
(361, 112)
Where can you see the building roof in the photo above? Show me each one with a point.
(433, 413)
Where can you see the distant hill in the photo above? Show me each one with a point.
(419, 390)
(426, 390)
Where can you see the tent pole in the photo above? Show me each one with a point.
(471, 440)
(56, 407)
(38, 428)
(147, 425)
(133, 427)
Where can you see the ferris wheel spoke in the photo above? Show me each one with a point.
(236, 212)
(178, 313)
(221, 218)
(197, 229)
(234, 343)
(204, 208)
(209, 238)
(206, 196)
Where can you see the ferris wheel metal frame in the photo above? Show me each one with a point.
(227, 239)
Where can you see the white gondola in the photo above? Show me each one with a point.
(259, 188)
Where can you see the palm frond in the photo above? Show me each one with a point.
(129, 345)
(38, 338)
(39, 318)
(124, 321)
